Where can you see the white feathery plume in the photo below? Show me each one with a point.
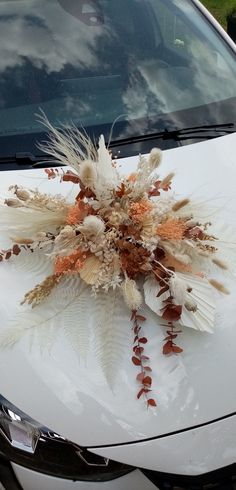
(107, 177)
(27, 223)
(68, 146)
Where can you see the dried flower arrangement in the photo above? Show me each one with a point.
(121, 232)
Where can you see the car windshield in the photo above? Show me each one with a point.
(126, 67)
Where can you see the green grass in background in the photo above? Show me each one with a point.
(220, 9)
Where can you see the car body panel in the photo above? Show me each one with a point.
(191, 453)
(72, 397)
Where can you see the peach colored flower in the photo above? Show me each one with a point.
(139, 209)
(77, 213)
(132, 177)
(70, 263)
(172, 229)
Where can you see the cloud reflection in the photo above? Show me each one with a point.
(46, 35)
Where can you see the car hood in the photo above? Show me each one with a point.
(71, 396)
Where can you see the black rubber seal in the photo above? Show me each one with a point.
(7, 476)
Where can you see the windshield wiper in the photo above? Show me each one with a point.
(29, 160)
(196, 132)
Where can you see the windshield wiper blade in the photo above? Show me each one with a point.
(196, 132)
(209, 131)
(28, 159)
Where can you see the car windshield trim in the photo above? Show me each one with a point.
(201, 132)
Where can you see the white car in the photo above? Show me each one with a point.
(144, 73)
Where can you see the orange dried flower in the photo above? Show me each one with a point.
(70, 263)
(77, 213)
(132, 177)
(172, 229)
(134, 259)
(139, 209)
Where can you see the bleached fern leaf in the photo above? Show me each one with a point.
(69, 289)
(112, 332)
(76, 324)
(22, 323)
(73, 297)
(35, 263)
(45, 337)
(67, 308)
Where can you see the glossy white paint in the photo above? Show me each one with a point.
(191, 453)
(30, 480)
(73, 399)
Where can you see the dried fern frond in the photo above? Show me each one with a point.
(112, 339)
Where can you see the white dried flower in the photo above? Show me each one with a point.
(92, 226)
(88, 173)
(117, 217)
(132, 295)
(107, 177)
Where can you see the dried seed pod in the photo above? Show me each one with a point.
(23, 241)
(13, 203)
(191, 306)
(22, 194)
